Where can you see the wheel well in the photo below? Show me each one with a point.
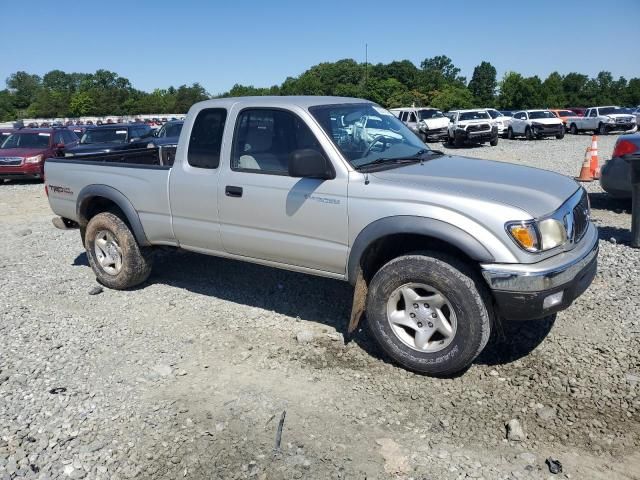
(94, 205)
(392, 246)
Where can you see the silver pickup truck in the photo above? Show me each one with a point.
(438, 247)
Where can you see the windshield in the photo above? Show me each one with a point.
(507, 113)
(364, 132)
(27, 140)
(566, 113)
(473, 116)
(104, 135)
(544, 114)
(426, 114)
(610, 110)
(494, 113)
(171, 130)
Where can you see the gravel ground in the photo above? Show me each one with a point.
(188, 376)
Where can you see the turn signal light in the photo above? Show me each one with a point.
(525, 235)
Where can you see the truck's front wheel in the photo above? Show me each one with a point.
(114, 255)
(429, 312)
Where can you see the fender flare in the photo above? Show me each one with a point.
(409, 224)
(91, 191)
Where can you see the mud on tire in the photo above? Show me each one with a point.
(136, 261)
(466, 294)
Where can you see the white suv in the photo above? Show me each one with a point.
(502, 121)
(535, 124)
(428, 123)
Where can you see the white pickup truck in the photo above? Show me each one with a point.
(602, 120)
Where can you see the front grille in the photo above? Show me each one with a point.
(5, 161)
(623, 120)
(580, 218)
(478, 128)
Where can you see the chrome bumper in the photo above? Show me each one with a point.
(546, 275)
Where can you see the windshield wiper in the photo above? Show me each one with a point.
(412, 159)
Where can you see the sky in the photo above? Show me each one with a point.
(160, 43)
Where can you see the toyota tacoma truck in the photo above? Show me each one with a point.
(602, 120)
(439, 248)
(534, 124)
(428, 123)
(471, 126)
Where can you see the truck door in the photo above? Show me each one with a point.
(592, 119)
(266, 214)
(193, 183)
(412, 121)
(519, 122)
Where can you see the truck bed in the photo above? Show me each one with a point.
(142, 178)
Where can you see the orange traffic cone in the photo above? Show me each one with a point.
(585, 171)
(595, 162)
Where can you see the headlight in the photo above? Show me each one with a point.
(540, 236)
(610, 120)
(34, 159)
(150, 145)
(552, 233)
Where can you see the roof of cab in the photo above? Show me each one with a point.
(305, 101)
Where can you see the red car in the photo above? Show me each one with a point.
(23, 152)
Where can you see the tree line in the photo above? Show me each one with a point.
(436, 82)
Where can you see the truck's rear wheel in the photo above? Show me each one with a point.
(573, 129)
(115, 256)
(602, 129)
(429, 313)
(528, 133)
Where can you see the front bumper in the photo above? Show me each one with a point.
(476, 137)
(620, 126)
(435, 133)
(23, 171)
(531, 291)
(548, 131)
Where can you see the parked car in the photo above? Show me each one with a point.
(602, 120)
(615, 175)
(375, 131)
(471, 126)
(563, 115)
(636, 113)
(579, 111)
(4, 133)
(534, 124)
(23, 152)
(78, 130)
(507, 113)
(437, 245)
(168, 134)
(109, 138)
(502, 121)
(427, 123)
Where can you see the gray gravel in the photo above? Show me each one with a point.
(187, 377)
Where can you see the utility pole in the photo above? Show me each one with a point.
(366, 63)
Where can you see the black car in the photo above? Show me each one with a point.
(111, 138)
(168, 134)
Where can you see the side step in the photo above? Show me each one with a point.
(64, 223)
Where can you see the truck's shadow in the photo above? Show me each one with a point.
(310, 298)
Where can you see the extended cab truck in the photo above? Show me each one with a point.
(438, 247)
(602, 120)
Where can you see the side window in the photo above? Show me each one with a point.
(145, 131)
(593, 113)
(265, 139)
(57, 138)
(403, 116)
(206, 138)
(68, 137)
(412, 117)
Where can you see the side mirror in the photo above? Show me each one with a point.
(135, 139)
(309, 163)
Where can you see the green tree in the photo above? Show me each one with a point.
(553, 91)
(573, 85)
(438, 72)
(24, 88)
(7, 110)
(81, 104)
(483, 84)
(452, 97)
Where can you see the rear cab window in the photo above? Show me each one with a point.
(205, 140)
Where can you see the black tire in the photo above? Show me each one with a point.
(494, 142)
(449, 141)
(458, 142)
(573, 129)
(528, 133)
(602, 129)
(423, 137)
(560, 136)
(469, 299)
(510, 134)
(136, 260)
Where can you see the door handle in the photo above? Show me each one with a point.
(231, 191)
